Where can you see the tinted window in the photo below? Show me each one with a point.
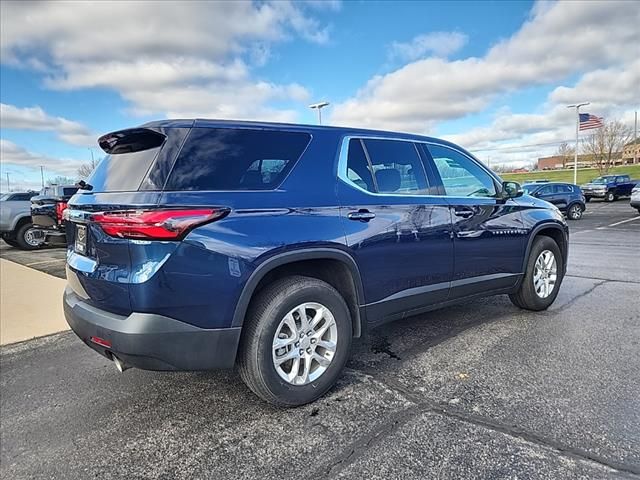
(397, 167)
(69, 191)
(461, 176)
(358, 170)
(21, 197)
(130, 155)
(236, 159)
(565, 188)
(548, 190)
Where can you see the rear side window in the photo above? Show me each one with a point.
(236, 159)
(130, 154)
(66, 192)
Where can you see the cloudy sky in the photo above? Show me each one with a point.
(493, 76)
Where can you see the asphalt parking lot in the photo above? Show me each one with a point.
(480, 390)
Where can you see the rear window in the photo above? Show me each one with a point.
(236, 159)
(130, 154)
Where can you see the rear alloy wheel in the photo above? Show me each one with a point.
(609, 197)
(574, 212)
(26, 238)
(543, 276)
(295, 341)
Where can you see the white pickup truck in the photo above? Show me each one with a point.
(16, 228)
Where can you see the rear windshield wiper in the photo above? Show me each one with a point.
(82, 185)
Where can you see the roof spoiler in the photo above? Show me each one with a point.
(130, 140)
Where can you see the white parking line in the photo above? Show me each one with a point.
(619, 223)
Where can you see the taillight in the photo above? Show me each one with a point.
(60, 208)
(158, 224)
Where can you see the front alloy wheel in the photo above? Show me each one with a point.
(545, 274)
(540, 284)
(610, 197)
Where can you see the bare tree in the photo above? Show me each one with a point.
(566, 152)
(61, 180)
(606, 143)
(87, 169)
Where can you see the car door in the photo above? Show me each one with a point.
(397, 229)
(548, 193)
(488, 231)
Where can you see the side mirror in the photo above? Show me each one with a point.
(511, 190)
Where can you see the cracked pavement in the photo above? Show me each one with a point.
(479, 390)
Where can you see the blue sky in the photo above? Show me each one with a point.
(493, 76)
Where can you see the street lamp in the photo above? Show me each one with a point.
(319, 106)
(575, 153)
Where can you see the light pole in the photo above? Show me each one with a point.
(575, 153)
(319, 106)
(42, 175)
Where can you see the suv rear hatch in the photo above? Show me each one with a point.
(108, 243)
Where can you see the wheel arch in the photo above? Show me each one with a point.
(314, 262)
(554, 231)
(19, 221)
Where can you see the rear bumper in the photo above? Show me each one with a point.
(151, 342)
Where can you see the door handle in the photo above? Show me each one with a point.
(463, 212)
(362, 215)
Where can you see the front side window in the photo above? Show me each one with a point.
(461, 176)
(548, 190)
(236, 159)
(396, 167)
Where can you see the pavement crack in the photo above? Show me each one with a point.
(427, 405)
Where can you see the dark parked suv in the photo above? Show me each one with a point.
(566, 196)
(208, 244)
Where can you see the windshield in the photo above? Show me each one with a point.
(4, 197)
(600, 180)
(529, 189)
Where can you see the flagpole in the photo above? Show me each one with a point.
(575, 153)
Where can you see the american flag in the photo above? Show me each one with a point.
(588, 121)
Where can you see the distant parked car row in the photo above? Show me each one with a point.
(30, 220)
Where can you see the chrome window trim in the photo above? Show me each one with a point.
(343, 158)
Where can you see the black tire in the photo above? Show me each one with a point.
(10, 241)
(22, 238)
(526, 296)
(609, 197)
(574, 212)
(267, 309)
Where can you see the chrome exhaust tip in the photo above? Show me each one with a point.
(120, 365)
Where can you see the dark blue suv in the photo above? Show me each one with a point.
(201, 244)
(566, 196)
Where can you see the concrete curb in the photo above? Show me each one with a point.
(30, 303)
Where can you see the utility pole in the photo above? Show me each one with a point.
(8, 187)
(636, 145)
(319, 106)
(42, 175)
(575, 155)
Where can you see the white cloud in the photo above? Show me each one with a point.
(440, 44)
(611, 92)
(150, 52)
(15, 155)
(559, 40)
(34, 118)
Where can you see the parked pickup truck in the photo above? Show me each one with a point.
(47, 213)
(15, 220)
(609, 187)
